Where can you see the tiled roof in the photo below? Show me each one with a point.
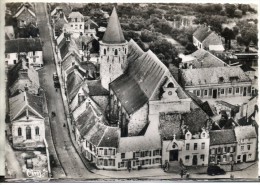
(67, 47)
(95, 88)
(23, 45)
(92, 126)
(70, 58)
(22, 72)
(202, 33)
(137, 85)
(245, 132)
(113, 34)
(212, 39)
(75, 15)
(195, 120)
(170, 124)
(219, 137)
(59, 23)
(21, 101)
(205, 76)
(139, 143)
(206, 60)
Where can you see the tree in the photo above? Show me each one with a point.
(228, 34)
(230, 9)
(238, 13)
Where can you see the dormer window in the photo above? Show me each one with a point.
(221, 79)
(188, 136)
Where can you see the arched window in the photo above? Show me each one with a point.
(116, 52)
(28, 132)
(19, 131)
(170, 85)
(37, 131)
(105, 51)
(125, 50)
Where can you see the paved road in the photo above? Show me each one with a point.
(70, 161)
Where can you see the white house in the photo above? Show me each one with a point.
(246, 143)
(27, 119)
(29, 48)
(76, 23)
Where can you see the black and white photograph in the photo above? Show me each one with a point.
(127, 91)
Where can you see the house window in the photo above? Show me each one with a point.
(187, 158)
(195, 146)
(202, 145)
(72, 25)
(248, 147)
(101, 151)
(205, 92)
(122, 155)
(28, 132)
(219, 149)
(222, 91)
(225, 149)
(202, 157)
(249, 156)
(19, 131)
(111, 162)
(156, 152)
(105, 162)
(14, 61)
(229, 90)
(105, 151)
(231, 157)
(237, 90)
(224, 158)
(238, 157)
(136, 154)
(37, 131)
(242, 148)
(187, 146)
(198, 92)
(101, 162)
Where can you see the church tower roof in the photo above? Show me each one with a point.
(113, 34)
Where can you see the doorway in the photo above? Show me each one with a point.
(215, 92)
(244, 92)
(244, 158)
(174, 154)
(194, 160)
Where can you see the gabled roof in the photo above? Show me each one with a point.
(91, 23)
(74, 81)
(220, 137)
(24, 8)
(206, 60)
(134, 51)
(23, 45)
(205, 76)
(202, 33)
(92, 126)
(19, 103)
(113, 34)
(245, 132)
(95, 88)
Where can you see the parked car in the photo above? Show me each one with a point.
(215, 170)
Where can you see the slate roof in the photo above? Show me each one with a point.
(21, 101)
(94, 130)
(245, 132)
(202, 33)
(137, 84)
(69, 60)
(170, 124)
(195, 98)
(134, 51)
(205, 76)
(206, 60)
(74, 81)
(23, 45)
(209, 109)
(113, 33)
(219, 137)
(68, 47)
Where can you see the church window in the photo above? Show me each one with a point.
(105, 51)
(116, 52)
(19, 131)
(37, 131)
(125, 50)
(28, 133)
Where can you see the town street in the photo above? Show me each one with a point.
(68, 157)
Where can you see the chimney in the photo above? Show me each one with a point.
(80, 98)
(209, 28)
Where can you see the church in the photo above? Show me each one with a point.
(140, 89)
